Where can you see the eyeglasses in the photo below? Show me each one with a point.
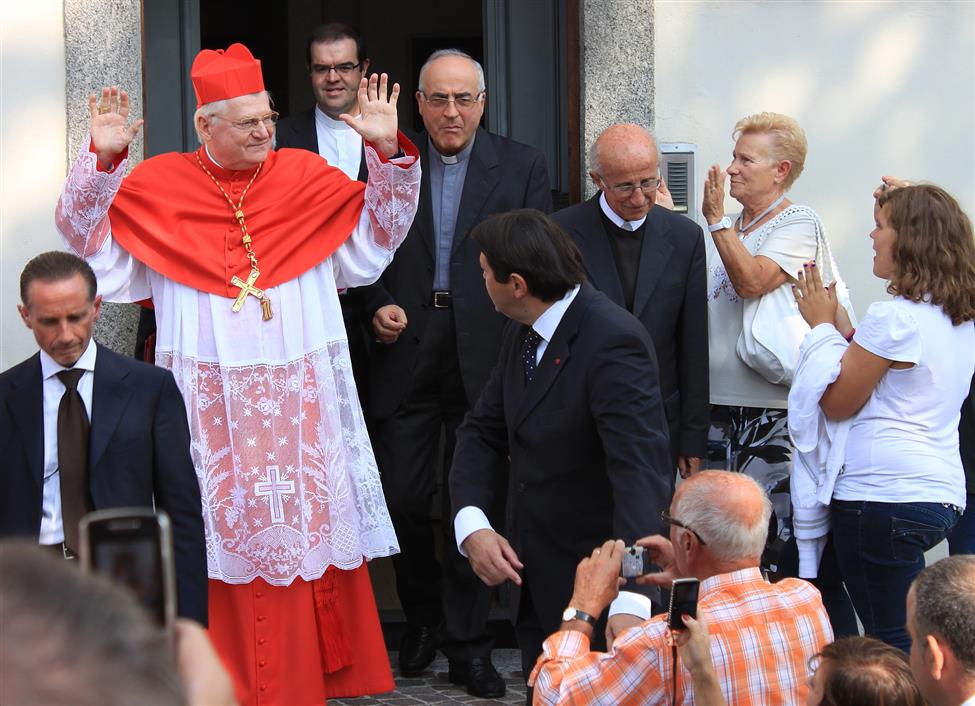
(344, 69)
(647, 186)
(463, 102)
(251, 124)
(668, 520)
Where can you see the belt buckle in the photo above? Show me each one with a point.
(441, 300)
(67, 553)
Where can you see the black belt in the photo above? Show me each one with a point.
(60, 550)
(442, 300)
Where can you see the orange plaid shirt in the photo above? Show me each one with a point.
(762, 636)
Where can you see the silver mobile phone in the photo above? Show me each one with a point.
(134, 547)
(683, 601)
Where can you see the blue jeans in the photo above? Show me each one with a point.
(880, 549)
(962, 538)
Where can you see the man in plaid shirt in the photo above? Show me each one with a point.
(762, 635)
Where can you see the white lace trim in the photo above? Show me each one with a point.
(287, 474)
(82, 211)
(392, 194)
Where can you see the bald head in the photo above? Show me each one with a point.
(624, 164)
(728, 510)
(624, 141)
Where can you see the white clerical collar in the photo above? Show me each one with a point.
(461, 156)
(329, 122)
(210, 156)
(50, 367)
(614, 217)
(546, 324)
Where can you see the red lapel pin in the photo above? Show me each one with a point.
(558, 360)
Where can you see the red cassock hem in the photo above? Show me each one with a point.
(303, 643)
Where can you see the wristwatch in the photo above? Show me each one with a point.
(720, 225)
(571, 613)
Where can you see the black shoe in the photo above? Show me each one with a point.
(480, 677)
(417, 649)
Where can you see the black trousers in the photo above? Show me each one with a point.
(407, 446)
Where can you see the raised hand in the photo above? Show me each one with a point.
(816, 304)
(378, 120)
(111, 132)
(713, 204)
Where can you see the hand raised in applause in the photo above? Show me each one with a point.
(377, 121)
(492, 558)
(818, 305)
(388, 323)
(713, 205)
(111, 132)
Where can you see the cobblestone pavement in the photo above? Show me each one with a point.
(433, 688)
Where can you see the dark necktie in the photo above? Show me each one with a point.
(528, 350)
(73, 430)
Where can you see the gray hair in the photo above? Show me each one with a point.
(944, 605)
(728, 537)
(216, 109)
(593, 156)
(440, 53)
(73, 638)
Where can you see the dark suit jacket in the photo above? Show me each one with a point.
(587, 440)
(671, 302)
(139, 453)
(299, 131)
(502, 175)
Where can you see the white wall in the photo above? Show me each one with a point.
(880, 87)
(32, 152)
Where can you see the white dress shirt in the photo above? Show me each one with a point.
(614, 217)
(340, 145)
(52, 531)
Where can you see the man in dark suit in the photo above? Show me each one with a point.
(439, 339)
(574, 401)
(650, 261)
(134, 451)
(336, 61)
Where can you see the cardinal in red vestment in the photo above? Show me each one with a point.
(241, 251)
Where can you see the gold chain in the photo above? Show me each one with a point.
(248, 286)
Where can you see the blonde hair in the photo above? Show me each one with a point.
(788, 139)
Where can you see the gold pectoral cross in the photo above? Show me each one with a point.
(249, 288)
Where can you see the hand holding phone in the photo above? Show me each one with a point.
(134, 547)
(683, 601)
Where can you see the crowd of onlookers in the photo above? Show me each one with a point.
(550, 367)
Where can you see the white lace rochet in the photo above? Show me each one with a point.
(287, 474)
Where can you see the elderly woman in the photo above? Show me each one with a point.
(752, 255)
(900, 384)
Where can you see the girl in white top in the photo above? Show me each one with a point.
(902, 381)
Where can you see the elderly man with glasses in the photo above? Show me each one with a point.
(650, 260)
(762, 635)
(241, 251)
(438, 338)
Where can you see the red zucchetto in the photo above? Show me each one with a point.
(220, 74)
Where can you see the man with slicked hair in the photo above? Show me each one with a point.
(575, 404)
(83, 428)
